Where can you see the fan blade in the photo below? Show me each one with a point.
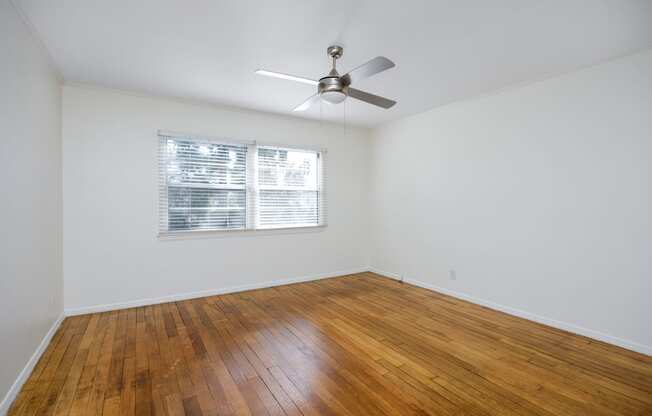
(306, 104)
(376, 65)
(286, 76)
(370, 98)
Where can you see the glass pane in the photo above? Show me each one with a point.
(205, 208)
(190, 162)
(288, 208)
(287, 168)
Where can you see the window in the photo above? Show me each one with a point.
(206, 184)
(288, 188)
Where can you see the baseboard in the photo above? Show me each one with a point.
(384, 273)
(590, 333)
(27, 370)
(24, 374)
(204, 293)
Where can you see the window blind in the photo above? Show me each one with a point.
(219, 185)
(203, 185)
(288, 187)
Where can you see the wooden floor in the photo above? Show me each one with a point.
(355, 345)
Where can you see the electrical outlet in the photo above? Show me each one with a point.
(452, 274)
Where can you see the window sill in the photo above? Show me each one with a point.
(201, 234)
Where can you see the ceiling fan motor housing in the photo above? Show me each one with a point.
(333, 88)
(331, 83)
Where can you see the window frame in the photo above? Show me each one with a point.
(251, 190)
(316, 189)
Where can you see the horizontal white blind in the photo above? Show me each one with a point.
(288, 187)
(214, 185)
(202, 185)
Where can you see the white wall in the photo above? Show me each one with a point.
(30, 166)
(540, 198)
(111, 250)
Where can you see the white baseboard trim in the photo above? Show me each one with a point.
(27, 370)
(384, 273)
(24, 374)
(590, 333)
(203, 293)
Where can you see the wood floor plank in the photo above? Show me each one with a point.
(95, 404)
(359, 344)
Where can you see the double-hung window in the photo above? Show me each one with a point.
(212, 185)
(288, 187)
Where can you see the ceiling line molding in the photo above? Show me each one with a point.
(209, 104)
(443, 53)
(39, 40)
(515, 86)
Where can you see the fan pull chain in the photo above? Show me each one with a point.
(347, 93)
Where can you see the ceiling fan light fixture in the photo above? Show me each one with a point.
(333, 97)
(335, 88)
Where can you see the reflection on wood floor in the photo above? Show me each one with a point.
(353, 345)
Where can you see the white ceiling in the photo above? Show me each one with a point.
(444, 50)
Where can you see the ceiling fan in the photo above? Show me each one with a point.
(334, 88)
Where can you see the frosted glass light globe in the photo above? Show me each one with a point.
(333, 97)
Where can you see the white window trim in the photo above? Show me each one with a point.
(189, 235)
(241, 141)
(251, 196)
